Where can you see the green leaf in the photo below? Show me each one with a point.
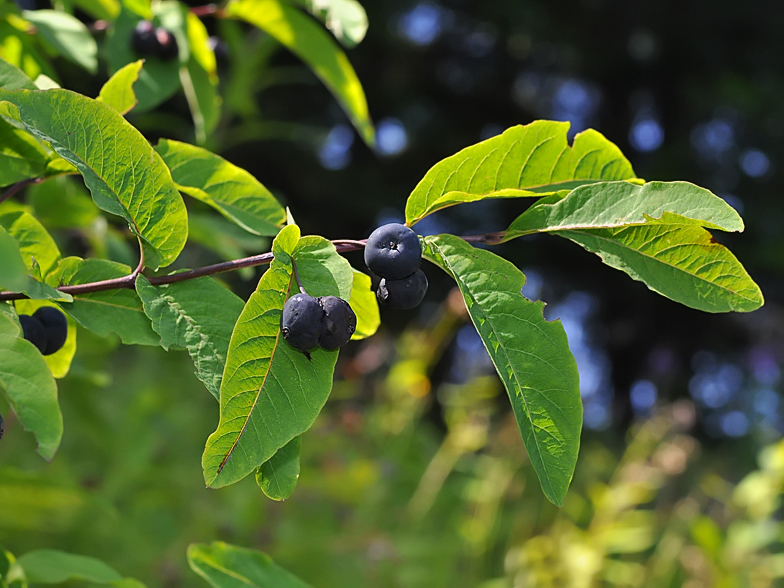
(615, 204)
(60, 202)
(198, 315)
(200, 80)
(277, 477)
(225, 238)
(365, 305)
(345, 18)
(108, 311)
(227, 566)
(13, 272)
(15, 275)
(230, 190)
(11, 573)
(59, 362)
(531, 356)
(35, 243)
(67, 35)
(13, 78)
(47, 566)
(21, 156)
(21, 49)
(270, 392)
(316, 48)
(99, 9)
(125, 176)
(525, 161)
(680, 261)
(321, 270)
(118, 92)
(158, 79)
(30, 388)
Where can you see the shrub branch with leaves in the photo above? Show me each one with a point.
(269, 392)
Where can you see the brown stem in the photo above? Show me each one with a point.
(18, 186)
(205, 10)
(129, 282)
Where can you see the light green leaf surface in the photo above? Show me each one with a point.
(116, 311)
(270, 392)
(199, 43)
(159, 79)
(227, 566)
(365, 305)
(615, 204)
(203, 99)
(230, 190)
(345, 18)
(21, 156)
(680, 261)
(59, 362)
(531, 355)
(13, 78)
(322, 271)
(198, 315)
(35, 243)
(67, 35)
(118, 92)
(15, 274)
(43, 82)
(29, 387)
(125, 176)
(47, 566)
(524, 161)
(316, 48)
(277, 477)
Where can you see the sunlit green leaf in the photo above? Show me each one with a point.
(365, 305)
(22, 50)
(277, 477)
(680, 261)
(227, 188)
(29, 387)
(524, 161)
(35, 243)
(108, 311)
(615, 204)
(118, 92)
(314, 46)
(47, 566)
(21, 156)
(67, 35)
(345, 18)
(531, 356)
(13, 78)
(270, 392)
(227, 566)
(15, 274)
(124, 174)
(198, 315)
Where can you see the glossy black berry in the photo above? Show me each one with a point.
(405, 293)
(300, 322)
(167, 44)
(144, 40)
(33, 331)
(55, 325)
(339, 324)
(393, 251)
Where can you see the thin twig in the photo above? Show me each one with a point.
(205, 10)
(18, 186)
(129, 282)
(296, 277)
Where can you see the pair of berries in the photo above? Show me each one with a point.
(47, 329)
(148, 41)
(326, 321)
(393, 252)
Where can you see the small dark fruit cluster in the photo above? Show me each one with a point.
(393, 252)
(47, 329)
(149, 41)
(326, 321)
